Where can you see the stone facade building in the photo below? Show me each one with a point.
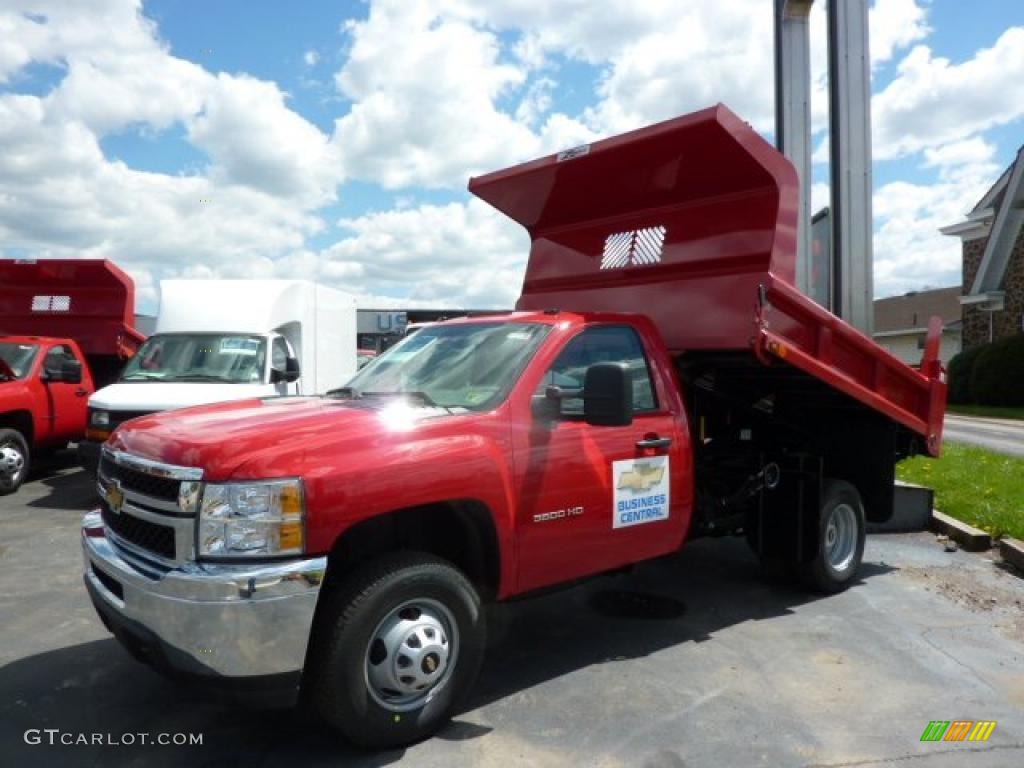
(993, 260)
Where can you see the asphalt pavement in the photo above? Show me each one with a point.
(1001, 435)
(693, 660)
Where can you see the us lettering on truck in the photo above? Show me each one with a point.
(641, 491)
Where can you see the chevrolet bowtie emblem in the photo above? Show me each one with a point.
(115, 497)
(642, 477)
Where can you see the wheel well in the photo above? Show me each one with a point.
(19, 420)
(460, 531)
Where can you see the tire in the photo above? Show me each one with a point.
(14, 460)
(841, 534)
(363, 643)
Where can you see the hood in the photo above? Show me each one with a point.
(264, 435)
(168, 395)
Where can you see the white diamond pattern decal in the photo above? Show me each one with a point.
(635, 247)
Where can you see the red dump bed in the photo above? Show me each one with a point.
(692, 222)
(88, 300)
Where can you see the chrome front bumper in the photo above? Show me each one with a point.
(217, 621)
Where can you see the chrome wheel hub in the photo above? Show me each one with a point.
(11, 463)
(411, 654)
(841, 538)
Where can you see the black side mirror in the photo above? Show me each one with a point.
(291, 371)
(69, 372)
(608, 395)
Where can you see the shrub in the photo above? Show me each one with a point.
(959, 380)
(997, 377)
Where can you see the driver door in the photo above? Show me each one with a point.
(589, 494)
(66, 402)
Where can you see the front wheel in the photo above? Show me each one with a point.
(397, 645)
(841, 534)
(14, 460)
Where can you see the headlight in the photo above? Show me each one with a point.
(99, 419)
(252, 519)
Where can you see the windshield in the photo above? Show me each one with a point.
(471, 366)
(233, 358)
(16, 359)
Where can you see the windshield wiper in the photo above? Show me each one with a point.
(350, 393)
(141, 377)
(201, 377)
(421, 396)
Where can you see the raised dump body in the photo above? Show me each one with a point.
(692, 222)
(88, 300)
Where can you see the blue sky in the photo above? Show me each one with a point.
(335, 138)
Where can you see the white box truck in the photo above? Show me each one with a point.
(218, 340)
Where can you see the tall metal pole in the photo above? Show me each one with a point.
(850, 145)
(793, 119)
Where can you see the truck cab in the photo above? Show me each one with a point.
(660, 380)
(43, 386)
(65, 327)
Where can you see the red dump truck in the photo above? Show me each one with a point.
(661, 380)
(66, 327)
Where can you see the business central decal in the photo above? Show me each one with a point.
(641, 491)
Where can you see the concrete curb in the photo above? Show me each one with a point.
(1012, 551)
(967, 536)
(912, 510)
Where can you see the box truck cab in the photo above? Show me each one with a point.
(66, 327)
(219, 340)
(662, 380)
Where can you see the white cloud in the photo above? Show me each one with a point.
(933, 101)
(965, 156)
(256, 140)
(460, 254)
(440, 90)
(694, 57)
(536, 102)
(61, 196)
(428, 79)
(894, 25)
(424, 89)
(909, 250)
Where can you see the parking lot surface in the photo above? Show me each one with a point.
(694, 660)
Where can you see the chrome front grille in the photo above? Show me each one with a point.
(145, 484)
(149, 507)
(152, 537)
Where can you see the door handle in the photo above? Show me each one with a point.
(81, 392)
(654, 442)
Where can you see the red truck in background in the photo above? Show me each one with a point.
(66, 327)
(661, 380)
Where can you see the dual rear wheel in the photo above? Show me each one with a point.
(841, 534)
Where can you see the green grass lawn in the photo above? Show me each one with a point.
(987, 411)
(976, 486)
